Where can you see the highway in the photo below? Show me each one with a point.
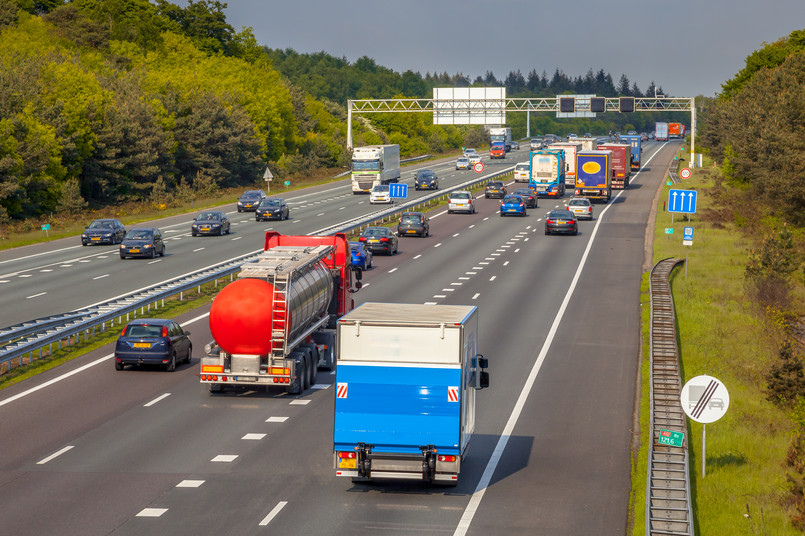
(88, 450)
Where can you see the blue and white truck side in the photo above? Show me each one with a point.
(406, 380)
(637, 149)
(548, 168)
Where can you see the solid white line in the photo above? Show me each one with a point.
(266, 520)
(55, 454)
(157, 399)
(100, 277)
(36, 295)
(494, 459)
(79, 369)
(430, 303)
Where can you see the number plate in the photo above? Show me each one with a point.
(96, 238)
(375, 241)
(348, 463)
(204, 228)
(245, 379)
(142, 345)
(410, 231)
(134, 250)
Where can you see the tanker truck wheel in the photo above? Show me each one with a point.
(298, 386)
(312, 355)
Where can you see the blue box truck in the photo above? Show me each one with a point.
(637, 149)
(594, 177)
(406, 380)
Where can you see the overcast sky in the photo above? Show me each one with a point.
(688, 47)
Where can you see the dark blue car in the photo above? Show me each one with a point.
(361, 255)
(512, 205)
(153, 341)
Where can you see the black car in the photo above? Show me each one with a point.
(413, 224)
(495, 189)
(272, 208)
(528, 196)
(250, 200)
(210, 223)
(426, 180)
(561, 221)
(379, 239)
(105, 231)
(153, 341)
(142, 242)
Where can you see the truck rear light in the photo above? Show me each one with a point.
(347, 455)
(445, 458)
(223, 378)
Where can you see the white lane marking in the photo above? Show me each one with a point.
(473, 273)
(484, 263)
(496, 254)
(526, 240)
(455, 235)
(493, 278)
(475, 297)
(475, 501)
(321, 386)
(393, 270)
(437, 245)
(430, 303)
(237, 238)
(528, 227)
(46, 270)
(157, 399)
(82, 260)
(79, 369)
(440, 295)
(517, 250)
(320, 214)
(189, 483)
(155, 261)
(225, 458)
(488, 259)
(301, 402)
(100, 257)
(365, 285)
(66, 266)
(254, 437)
(277, 419)
(100, 277)
(198, 249)
(506, 263)
(3, 280)
(464, 278)
(342, 208)
(26, 275)
(471, 226)
(457, 284)
(151, 512)
(272, 514)
(448, 290)
(485, 218)
(418, 256)
(43, 461)
(35, 295)
(296, 221)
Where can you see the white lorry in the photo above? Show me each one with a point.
(501, 134)
(570, 148)
(373, 165)
(405, 391)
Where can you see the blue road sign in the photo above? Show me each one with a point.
(398, 190)
(682, 201)
(688, 233)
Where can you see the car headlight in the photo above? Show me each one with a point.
(84, 236)
(148, 246)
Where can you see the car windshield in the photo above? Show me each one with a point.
(207, 216)
(144, 331)
(578, 203)
(566, 214)
(250, 194)
(460, 196)
(139, 234)
(426, 176)
(381, 188)
(271, 203)
(100, 225)
(411, 218)
(463, 159)
(495, 184)
(510, 199)
(522, 191)
(376, 231)
(521, 167)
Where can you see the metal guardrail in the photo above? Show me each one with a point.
(28, 337)
(668, 505)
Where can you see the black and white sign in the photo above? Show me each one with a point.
(704, 399)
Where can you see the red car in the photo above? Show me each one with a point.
(497, 150)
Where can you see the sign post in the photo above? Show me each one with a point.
(704, 399)
(478, 167)
(46, 228)
(684, 173)
(687, 240)
(398, 190)
(268, 177)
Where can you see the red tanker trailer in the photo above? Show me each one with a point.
(275, 324)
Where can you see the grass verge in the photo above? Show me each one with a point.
(722, 334)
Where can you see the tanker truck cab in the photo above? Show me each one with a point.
(275, 325)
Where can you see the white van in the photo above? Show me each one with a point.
(521, 171)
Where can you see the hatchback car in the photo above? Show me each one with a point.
(142, 242)
(528, 196)
(250, 200)
(361, 255)
(474, 158)
(561, 221)
(106, 231)
(272, 208)
(494, 189)
(537, 143)
(379, 239)
(461, 201)
(468, 152)
(522, 171)
(413, 224)
(515, 145)
(153, 341)
(581, 207)
(463, 163)
(210, 223)
(381, 193)
(512, 205)
(426, 180)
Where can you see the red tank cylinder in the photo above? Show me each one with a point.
(240, 317)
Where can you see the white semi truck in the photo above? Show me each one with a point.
(373, 165)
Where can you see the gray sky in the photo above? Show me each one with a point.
(688, 47)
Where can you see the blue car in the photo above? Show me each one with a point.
(361, 255)
(153, 341)
(512, 205)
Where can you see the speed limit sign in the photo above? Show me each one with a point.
(685, 173)
(478, 167)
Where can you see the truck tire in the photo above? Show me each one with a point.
(297, 386)
(310, 363)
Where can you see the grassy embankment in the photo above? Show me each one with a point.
(722, 334)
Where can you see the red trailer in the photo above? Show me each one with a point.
(621, 163)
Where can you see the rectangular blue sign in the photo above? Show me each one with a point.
(682, 201)
(398, 190)
(688, 233)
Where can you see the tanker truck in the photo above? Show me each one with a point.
(275, 324)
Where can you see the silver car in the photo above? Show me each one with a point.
(463, 163)
(461, 201)
(581, 207)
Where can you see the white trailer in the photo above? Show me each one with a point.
(373, 165)
(570, 149)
